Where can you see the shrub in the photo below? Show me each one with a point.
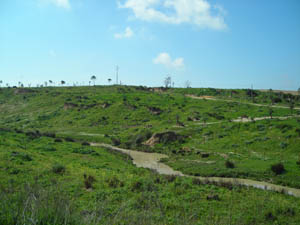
(136, 186)
(229, 164)
(196, 181)
(88, 181)
(69, 139)
(58, 140)
(85, 144)
(170, 178)
(58, 168)
(115, 141)
(278, 168)
(22, 156)
(49, 134)
(114, 182)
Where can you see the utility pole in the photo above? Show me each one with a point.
(117, 75)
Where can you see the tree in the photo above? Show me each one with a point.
(109, 80)
(168, 81)
(93, 78)
(63, 82)
(50, 82)
(299, 91)
(187, 84)
(1, 82)
(271, 112)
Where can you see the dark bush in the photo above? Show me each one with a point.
(229, 164)
(270, 216)
(136, 186)
(114, 182)
(69, 139)
(115, 141)
(278, 168)
(22, 156)
(88, 181)
(49, 134)
(85, 144)
(213, 197)
(58, 168)
(170, 178)
(58, 140)
(196, 181)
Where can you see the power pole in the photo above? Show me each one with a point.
(117, 75)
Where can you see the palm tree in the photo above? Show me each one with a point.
(93, 78)
(109, 80)
(62, 82)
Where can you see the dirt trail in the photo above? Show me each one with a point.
(247, 120)
(227, 100)
(152, 161)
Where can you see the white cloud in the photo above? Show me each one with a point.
(128, 33)
(59, 3)
(198, 12)
(166, 60)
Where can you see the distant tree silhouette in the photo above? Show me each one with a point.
(50, 82)
(62, 82)
(187, 84)
(109, 80)
(93, 78)
(1, 82)
(168, 81)
(89, 83)
(299, 91)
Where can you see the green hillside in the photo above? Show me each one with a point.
(51, 175)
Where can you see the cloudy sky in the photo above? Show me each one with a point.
(211, 43)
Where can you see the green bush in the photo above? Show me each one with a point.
(229, 164)
(278, 168)
(58, 168)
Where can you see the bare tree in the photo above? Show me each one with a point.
(93, 78)
(187, 84)
(168, 81)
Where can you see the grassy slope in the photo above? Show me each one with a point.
(121, 193)
(253, 147)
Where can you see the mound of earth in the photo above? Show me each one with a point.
(165, 138)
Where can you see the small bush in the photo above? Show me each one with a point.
(115, 141)
(196, 181)
(69, 139)
(229, 164)
(58, 140)
(85, 144)
(170, 178)
(114, 182)
(278, 168)
(58, 168)
(49, 134)
(88, 181)
(136, 186)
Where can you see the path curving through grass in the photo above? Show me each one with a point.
(152, 161)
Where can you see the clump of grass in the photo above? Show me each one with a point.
(170, 178)
(58, 168)
(114, 182)
(85, 143)
(88, 181)
(136, 186)
(278, 168)
(69, 139)
(58, 140)
(229, 164)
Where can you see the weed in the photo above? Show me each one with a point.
(58, 168)
(88, 181)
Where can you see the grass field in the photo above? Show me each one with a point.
(50, 175)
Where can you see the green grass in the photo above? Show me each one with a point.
(36, 169)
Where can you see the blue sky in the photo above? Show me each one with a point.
(211, 43)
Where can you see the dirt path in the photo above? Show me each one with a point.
(152, 161)
(247, 120)
(227, 100)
